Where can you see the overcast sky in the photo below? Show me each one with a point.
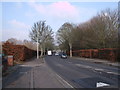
(19, 17)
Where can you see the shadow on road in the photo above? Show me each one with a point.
(12, 78)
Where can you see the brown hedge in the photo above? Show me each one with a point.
(19, 52)
(111, 54)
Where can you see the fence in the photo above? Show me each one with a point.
(111, 54)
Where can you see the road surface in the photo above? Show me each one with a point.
(84, 74)
(55, 72)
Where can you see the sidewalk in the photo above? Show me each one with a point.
(34, 73)
(95, 60)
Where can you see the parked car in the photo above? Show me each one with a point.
(63, 55)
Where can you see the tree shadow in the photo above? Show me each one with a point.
(15, 76)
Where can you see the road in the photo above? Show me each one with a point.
(84, 74)
(55, 72)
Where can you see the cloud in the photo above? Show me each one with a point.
(62, 11)
(59, 10)
(57, 13)
(18, 25)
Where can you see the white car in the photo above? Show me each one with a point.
(64, 55)
(56, 54)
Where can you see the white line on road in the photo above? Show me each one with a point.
(98, 69)
(64, 82)
(80, 65)
(30, 65)
(23, 72)
(113, 73)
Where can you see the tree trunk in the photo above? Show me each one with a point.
(41, 52)
(43, 49)
(44, 52)
(37, 50)
(70, 45)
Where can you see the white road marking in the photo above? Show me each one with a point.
(113, 73)
(101, 84)
(64, 81)
(80, 65)
(30, 65)
(27, 65)
(98, 69)
(23, 72)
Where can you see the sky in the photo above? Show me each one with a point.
(18, 17)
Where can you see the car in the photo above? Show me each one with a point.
(56, 54)
(63, 55)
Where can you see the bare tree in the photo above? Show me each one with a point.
(110, 18)
(104, 27)
(13, 41)
(30, 44)
(101, 31)
(40, 33)
(65, 35)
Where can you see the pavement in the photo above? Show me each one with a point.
(34, 73)
(102, 61)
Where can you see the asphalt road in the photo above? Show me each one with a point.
(84, 74)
